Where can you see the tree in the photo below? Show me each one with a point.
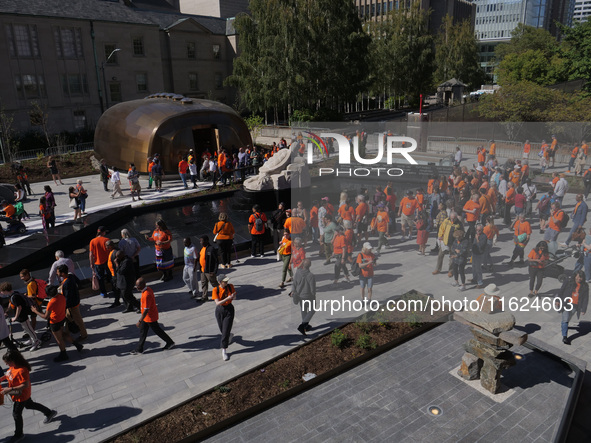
(532, 66)
(456, 54)
(576, 48)
(9, 142)
(525, 38)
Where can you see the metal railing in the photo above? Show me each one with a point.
(55, 150)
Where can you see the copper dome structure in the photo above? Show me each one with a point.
(167, 124)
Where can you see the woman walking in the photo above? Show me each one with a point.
(575, 297)
(223, 296)
(162, 238)
(52, 166)
(224, 236)
(82, 196)
(19, 389)
(537, 258)
(50, 202)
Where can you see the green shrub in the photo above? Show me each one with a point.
(366, 342)
(413, 319)
(339, 339)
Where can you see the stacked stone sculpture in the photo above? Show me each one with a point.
(487, 354)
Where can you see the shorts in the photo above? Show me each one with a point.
(366, 281)
(550, 235)
(362, 227)
(57, 326)
(544, 216)
(406, 220)
(551, 154)
(136, 187)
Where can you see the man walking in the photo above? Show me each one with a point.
(116, 180)
(256, 225)
(149, 318)
(579, 217)
(190, 257)
(478, 250)
(125, 274)
(98, 256)
(208, 262)
(59, 260)
(69, 288)
(304, 288)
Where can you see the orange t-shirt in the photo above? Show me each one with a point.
(57, 308)
(162, 237)
(366, 271)
(361, 210)
(183, 166)
(526, 148)
(338, 244)
(349, 240)
(585, 148)
(534, 255)
(493, 149)
(295, 225)
(287, 242)
(382, 226)
(99, 250)
(515, 176)
(202, 258)
(219, 293)
(490, 231)
(510, 196)
(556, 220)
(522, 228)
(481, 155)
(252, 220)
(346, 213)
(575, 294)
(148, 303)
(110, 262)
(408, 205)
(430, 186)
(470, 205)
(224, 229)
(17, 377)
(9, 211)
(484, 204)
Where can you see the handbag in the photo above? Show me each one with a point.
(73, 203)
(281, 249)
(95, 283)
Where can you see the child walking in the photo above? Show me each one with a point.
(19, 389)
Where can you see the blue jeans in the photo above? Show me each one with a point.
(477, 260)
(572, 231)
(101, 273)
(566, 316)
(184, 179)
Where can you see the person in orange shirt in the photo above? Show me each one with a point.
(485, 206)
(339, 246)
(492, 233)
(284, 252)
(149, 318)
(573, 156)
(223, 296)
(366, 260)
(552, 150)
(183, 168)
(471, 213)
(524, 172)
(555, 223)
(492, 149)
(408, 208)
(349, 239)
(55, 312)
(515, 175)
(521, 234)
(19, 389)
(295, 224)
(8, 209)
(574, 295)
(481, 154)
(346, 211)
(162, 237)
(361, 216)
(492, 197)
(256, 226)
(420, 199)
(526, 149)
(224, 236)
(509, 202)
(430, 185)
(537, 258)
(98, 256)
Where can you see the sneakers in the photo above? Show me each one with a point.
(79, 346)
(36, 346)
(302, 330)
(565, 340)
(454, 284)
(225, 355)
(136, 352)
(462, 288)
(114, 305)
(169, 346)
(288, 280)
(103, 295)
(50, 417)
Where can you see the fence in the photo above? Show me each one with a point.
(56, 150)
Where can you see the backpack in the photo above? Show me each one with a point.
(565, 220)
(544, 203)
(41, 284)
(258, 223)
(355, 269)
(587, 178)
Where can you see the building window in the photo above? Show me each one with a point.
(216, 51)
(30, 86)
(79, 119)
(109, 48)
(22, 40)
(138, 46)
(191, 53)
(141, 81)
(218, 80)
(115, 92)
(193, 83)
(68, 42)
(74, 84)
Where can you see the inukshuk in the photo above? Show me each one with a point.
(487, 354)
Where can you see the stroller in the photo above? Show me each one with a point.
(13, 226)
(553, 269)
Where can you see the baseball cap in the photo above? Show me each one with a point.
(101, 229)
(223, 277)
(367, 245)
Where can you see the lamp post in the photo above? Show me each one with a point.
(105, 78)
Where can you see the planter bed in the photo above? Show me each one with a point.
(281, 378)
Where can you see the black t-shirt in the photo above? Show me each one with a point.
(17, 299)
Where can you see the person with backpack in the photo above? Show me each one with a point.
(445, 240)
(578, 216)
(69, 288)
(208, 263)
(304, 288)
(256, 225)
(21, 305)
(36, 290)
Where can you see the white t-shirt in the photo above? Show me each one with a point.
(190, 256)
(115, 177)
(193, 168)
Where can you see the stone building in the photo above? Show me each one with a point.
(77, 58)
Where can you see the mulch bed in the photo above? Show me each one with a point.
(69, 165)
(317, 357)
